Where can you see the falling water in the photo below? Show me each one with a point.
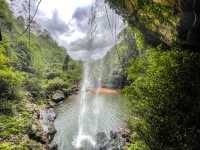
(104, 27)
(89, 112)
(88, 117)
(85, 123)
(84, 115)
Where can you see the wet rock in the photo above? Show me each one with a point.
(58, 96)
(51, 114)
(51, 131)
(113, 135)
(101, 138)
(102, 141)
(47, 117)
(52, 103)
(67, 92)
(118, 140)
(125, 133)
(36, 133)
(53, 147)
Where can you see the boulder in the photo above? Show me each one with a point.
(53, 147)
(47, 117)
(51, 131)
(36, 133)
(102, 141)
(52, 103)
(58, 96)
(113, 135)
(117, 140)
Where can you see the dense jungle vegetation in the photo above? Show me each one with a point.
(163, 73)
(29, 74)
(159, 72)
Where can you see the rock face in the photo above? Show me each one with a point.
(189, 28)
(58, 96)
(44, 130)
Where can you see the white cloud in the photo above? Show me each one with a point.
(77, 14)
(65, 8)
(68, 22)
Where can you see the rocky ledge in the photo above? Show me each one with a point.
(43, 129)
(116, 140)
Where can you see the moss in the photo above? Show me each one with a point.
(157, 18)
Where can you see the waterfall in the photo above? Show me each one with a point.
(90, 106)
(91, 49)
(85, 129)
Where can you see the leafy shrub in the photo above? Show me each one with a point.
(5, 16)
(138, 145)
(9, 83)
(12, 126)
(3, 58)
(56, 84)
(24, 56)
(6, 146)
(34, 86)
(165, 98)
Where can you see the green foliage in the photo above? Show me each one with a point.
(37, 68)
(5, 16)
(11, 146)
(11, 125)
(154, 18)
(33, 86)
(66, 65)
(73, 74)
(23, 55)
(9, 83)
(163, 92)
(139, 39)
(13, 130)
(138, 145)
(3, 58)
(56, 84)
(6, 146)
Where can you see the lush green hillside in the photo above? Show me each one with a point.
(163, 76)
(29, 73)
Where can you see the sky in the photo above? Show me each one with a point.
(65, 8)
(69, 23)
(58, 17)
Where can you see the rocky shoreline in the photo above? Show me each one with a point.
(117, 140)
(43, 129)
